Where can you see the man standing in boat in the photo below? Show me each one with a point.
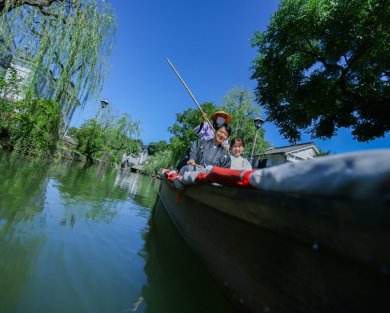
(204, 130)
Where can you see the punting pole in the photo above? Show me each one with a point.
(189, 91)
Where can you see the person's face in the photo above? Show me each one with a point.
(237, 149)
(220, 120)
(221, 135)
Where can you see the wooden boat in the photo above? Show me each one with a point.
(275, 251)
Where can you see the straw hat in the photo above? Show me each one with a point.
(223, 114)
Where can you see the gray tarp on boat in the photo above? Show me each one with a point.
(358, 175)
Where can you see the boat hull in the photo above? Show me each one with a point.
(275, 252)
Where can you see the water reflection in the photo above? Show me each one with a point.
(22, 185)
(177, 281)
(142, 189)
(77, 182)
(20, 201)
(76, 238)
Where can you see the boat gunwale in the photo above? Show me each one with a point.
(354, 229)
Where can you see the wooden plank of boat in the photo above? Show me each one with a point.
(284, 252)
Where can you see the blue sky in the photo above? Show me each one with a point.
(209, 44)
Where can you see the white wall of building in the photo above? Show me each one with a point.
(302, 154)
(22, 76)
(305, 153)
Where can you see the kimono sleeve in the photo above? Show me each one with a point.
(194, 149)
(198, 128)
(225, 160)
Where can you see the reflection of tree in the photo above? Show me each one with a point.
(88, 181)
(22, 194)
(22, 184)
(177, 282)
(142, 188)
(93, 186)
(17, 248)
(146, 194)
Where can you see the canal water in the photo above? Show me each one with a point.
(76, 238)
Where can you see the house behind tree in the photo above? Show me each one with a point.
(19, 64)
(285, 154)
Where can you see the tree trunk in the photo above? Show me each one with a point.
(18, 3)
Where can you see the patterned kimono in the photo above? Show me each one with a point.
(206, 152)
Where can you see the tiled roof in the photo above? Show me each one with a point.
(291, 148)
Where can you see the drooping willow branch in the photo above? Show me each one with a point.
(68, 39)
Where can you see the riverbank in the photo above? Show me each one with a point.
(64, 153)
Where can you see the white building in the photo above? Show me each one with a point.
(281, 155)
(22, 75)
(21, 66)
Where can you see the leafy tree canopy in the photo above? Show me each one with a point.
(239, 103)
(322, 153)
(158, 146)
(64, 42)
(30, 126)
(323, 65)
(34, 127)
(159, 160)
(90, 138)
(120, 137)
(108, 139)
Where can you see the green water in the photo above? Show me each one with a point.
(84, 239)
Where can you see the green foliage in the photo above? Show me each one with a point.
(6, 111)
(10, 84)
(72, 132)
(30, 126)
(120, 138)
(159, 160)
(35, 127)
(239, 103)
(156, 147)
(90, 138)
(108, 142)
(323, 65)
(322, 153)
(65, 42)
(2, 80)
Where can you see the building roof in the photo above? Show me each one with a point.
(292, 148)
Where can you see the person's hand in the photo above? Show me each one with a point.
(204, 116)
(191, 162)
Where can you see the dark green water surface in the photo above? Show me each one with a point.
(75, 238)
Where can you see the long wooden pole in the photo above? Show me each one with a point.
(189, 91)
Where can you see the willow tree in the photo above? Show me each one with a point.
(323, 65)
(64, 43)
